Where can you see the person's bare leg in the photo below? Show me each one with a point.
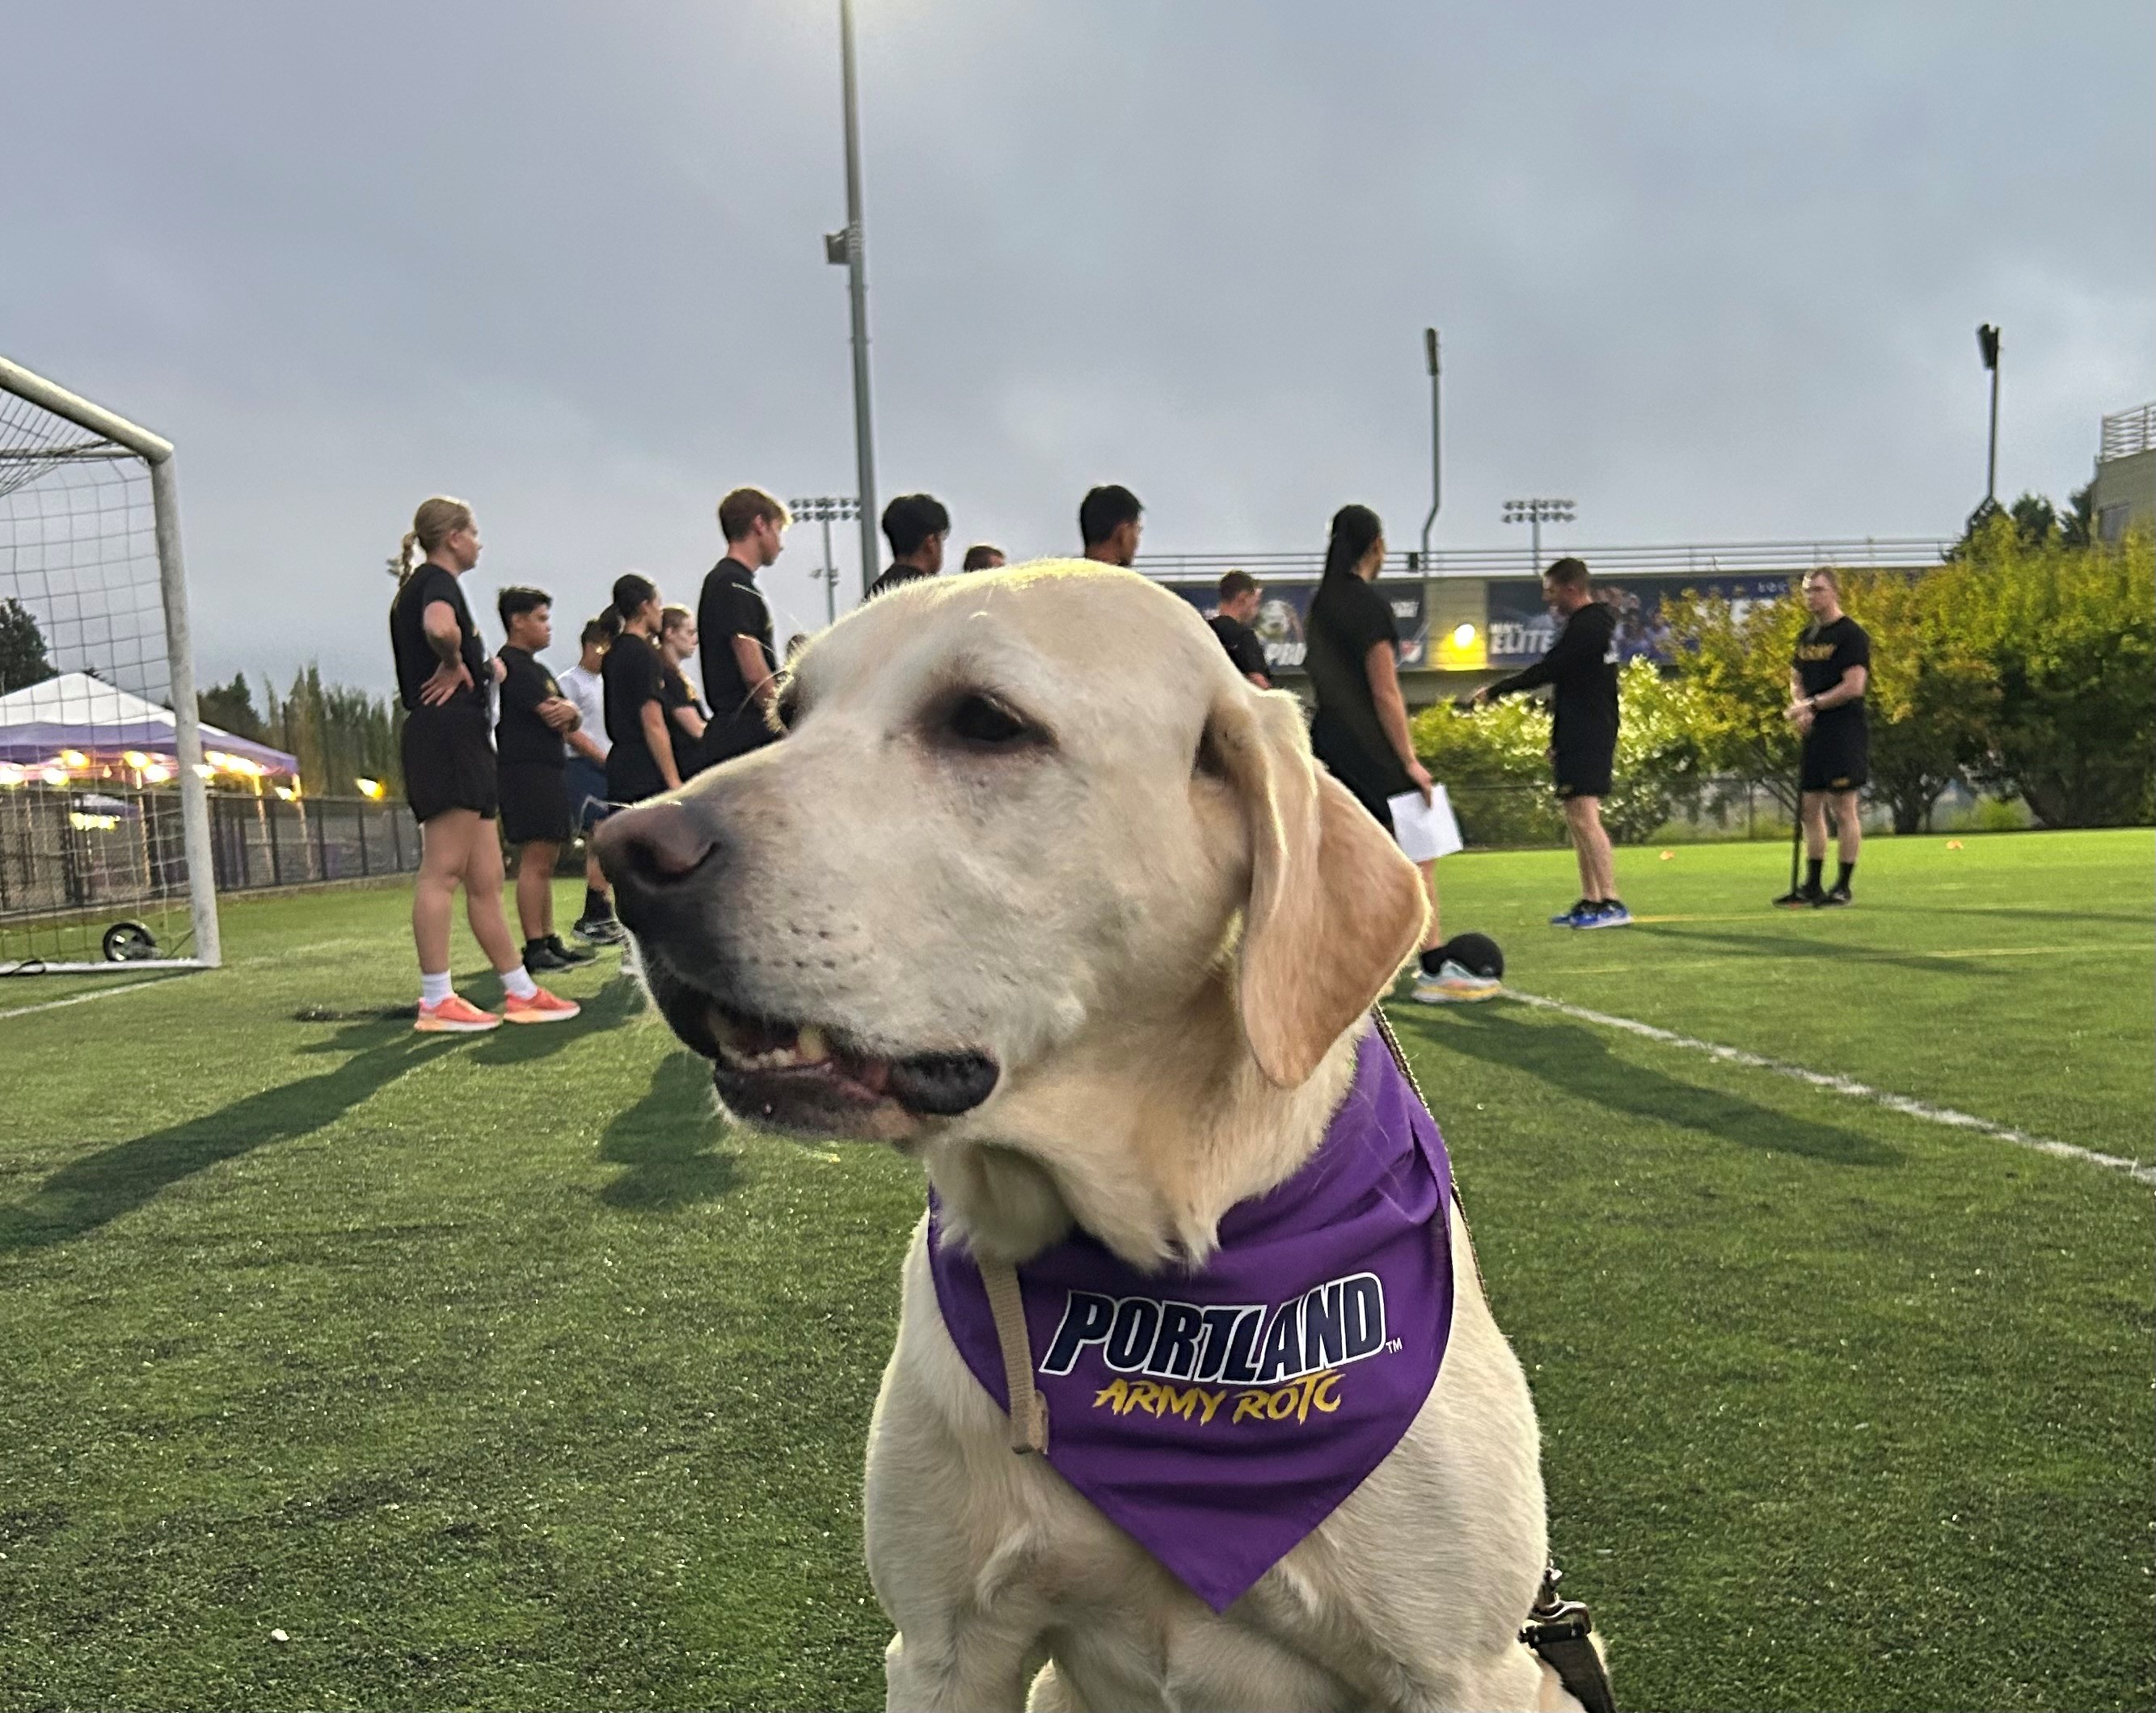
(1849, 827)
(1814, 813)
(444, 850)
(1590, 845)
(535, 888)
(483, 901)
(1432, 936)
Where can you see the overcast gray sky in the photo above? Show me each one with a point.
(1712, 270)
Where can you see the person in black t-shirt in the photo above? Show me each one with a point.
(1361, 730)
(641, 763)
(530, 759)
(1827, 682)
(1581, 669)
(443, 673)
(684, 715)
(915, 525)
(1109, 522)
(733, 627)
(1231, 624)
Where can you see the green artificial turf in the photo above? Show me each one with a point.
(494, 1373)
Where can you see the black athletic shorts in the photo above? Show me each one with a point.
(448, 760)
(1581, 762)
(1371, 779)
(535, 803)
(1837, 757)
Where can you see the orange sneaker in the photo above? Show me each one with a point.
(541, 1007)
(455, 1016)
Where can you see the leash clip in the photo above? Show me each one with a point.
(1557, 1632)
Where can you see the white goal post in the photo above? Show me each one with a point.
(91, 823)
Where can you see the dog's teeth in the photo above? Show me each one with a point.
(810, 1048)
(724, 1030)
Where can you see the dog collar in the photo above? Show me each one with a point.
(1217, 1416)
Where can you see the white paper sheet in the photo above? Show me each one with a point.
(1425, 830)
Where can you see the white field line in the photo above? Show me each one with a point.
(78, 999)
(1846, 1086)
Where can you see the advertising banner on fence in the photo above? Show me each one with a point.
(1284, 610)
(1521, 629)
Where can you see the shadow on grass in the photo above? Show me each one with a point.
(666, 1140)
(1837, 953)
(1579, 1062)
(520, 1044)
(117, 1180)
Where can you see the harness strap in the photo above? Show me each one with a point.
(1028, 1409)
(1559, 1633)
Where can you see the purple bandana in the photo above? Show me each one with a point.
(1218, 1417)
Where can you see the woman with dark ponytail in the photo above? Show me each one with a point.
(443, 678)
(1352, 654)
(640, 764)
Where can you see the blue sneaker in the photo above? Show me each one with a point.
(1577, 916)
(1610, 913)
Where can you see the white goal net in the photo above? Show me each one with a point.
(104, 847)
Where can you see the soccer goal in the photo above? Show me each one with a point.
(104, 834)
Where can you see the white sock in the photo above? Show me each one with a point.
(518, 984)
(434, 989)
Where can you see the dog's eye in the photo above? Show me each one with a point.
(978, 719)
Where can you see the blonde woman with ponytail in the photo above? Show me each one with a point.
(442, 677)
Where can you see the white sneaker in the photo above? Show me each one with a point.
(1453, 985)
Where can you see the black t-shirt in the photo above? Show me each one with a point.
(1348, 619)
(730, 607)
(634, 674)
(416, 658)
(896, 575)
(1581, 667)
(1823, 654)
(1241, 642)
(519, 735)
(674, 693)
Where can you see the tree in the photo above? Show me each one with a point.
(230, 707)
(1930, 695)
(1734, 657)
(23, 661)
(336, 733)
(2070, 635)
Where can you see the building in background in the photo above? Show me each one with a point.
(2125, 496)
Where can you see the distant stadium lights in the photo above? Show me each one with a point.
(1987, 343)
(837, 247)
(370, 788)
(1463, 636)
(54, 776)
(9, 777)
(156, 773)
(1539, 511)
(73, 758)
(136, 760)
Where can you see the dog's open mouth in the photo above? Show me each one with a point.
(806, 1076)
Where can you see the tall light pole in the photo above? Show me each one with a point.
(848, 247)
(824, 509)
(1538, 512)
(1436, 463)
(1987, 343)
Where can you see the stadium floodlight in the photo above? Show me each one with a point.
(1986, 346)
(827, 509)
(1536, 513)
(1431, 353)
(97, 670)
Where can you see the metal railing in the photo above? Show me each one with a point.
(1693, 559)
(2128, 432)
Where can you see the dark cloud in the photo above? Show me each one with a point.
(1712, 271)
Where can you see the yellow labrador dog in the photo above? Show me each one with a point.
(1040, 891)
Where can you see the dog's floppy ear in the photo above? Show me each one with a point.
(1334, 908)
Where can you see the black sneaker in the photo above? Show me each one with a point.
(1804, 898)
(1834, 898)
(540, 958)
(599, 930)
(571, 956)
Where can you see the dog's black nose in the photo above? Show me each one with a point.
(648, 850)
